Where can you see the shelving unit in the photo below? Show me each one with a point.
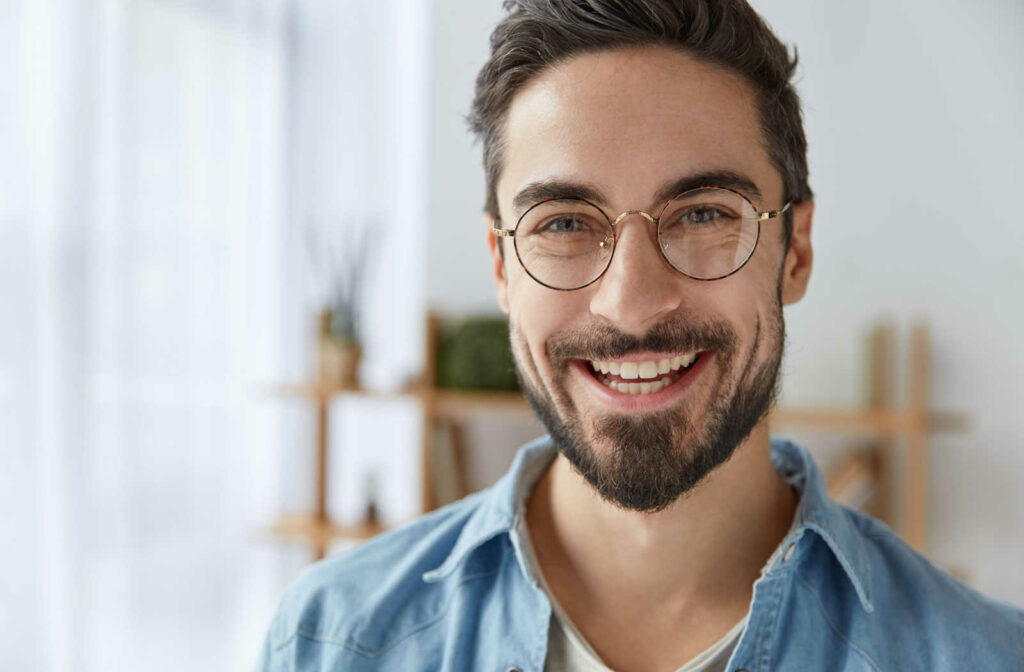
(869, 471)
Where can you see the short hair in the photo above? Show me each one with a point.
(537, 34)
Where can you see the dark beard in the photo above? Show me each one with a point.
(659, 457)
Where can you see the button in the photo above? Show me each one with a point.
(785, 558)
(513, 669)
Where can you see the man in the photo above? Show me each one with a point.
(650, 215)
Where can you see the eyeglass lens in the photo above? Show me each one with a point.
(703, 233)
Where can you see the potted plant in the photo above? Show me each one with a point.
(342, 269)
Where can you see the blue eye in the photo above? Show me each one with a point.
(703, 215)
(564, 224)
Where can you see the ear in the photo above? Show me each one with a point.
(796, 271)
(498, 262)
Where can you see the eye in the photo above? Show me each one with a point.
(703, 215)
(698, 218)
(564, 224)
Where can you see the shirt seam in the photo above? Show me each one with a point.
(772, 603)
(373, 653)
(839, 633)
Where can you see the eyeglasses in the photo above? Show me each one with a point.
(707, 233)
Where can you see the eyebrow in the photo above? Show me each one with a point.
(547, 190)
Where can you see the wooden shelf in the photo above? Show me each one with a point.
(320, 533)
(455, 404)
(447, 403)
(877, 423)
(461, 404)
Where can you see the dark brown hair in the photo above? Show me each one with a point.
(537, 34)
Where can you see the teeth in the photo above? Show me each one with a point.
(638, 388)
(645, 370)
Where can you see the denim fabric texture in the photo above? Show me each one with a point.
(451, 592)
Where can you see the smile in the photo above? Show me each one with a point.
(642, 377)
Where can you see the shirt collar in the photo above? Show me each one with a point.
(819, 514)
(501, 503)
(505, 501)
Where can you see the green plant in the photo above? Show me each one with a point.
(474, 354)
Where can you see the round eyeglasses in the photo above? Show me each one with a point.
(707, 233)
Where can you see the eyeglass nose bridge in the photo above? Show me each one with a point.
(627, 213)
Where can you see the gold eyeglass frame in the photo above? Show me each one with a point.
(759, 217)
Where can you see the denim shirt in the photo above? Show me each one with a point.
(451, 591)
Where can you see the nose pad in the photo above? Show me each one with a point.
(639, 286)
(642, 231)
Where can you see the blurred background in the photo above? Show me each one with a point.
(205, 204)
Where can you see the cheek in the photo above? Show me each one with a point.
(539, 313)
(743, 300)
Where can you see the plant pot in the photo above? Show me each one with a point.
(339, 363)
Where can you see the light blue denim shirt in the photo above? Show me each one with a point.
(451, 591)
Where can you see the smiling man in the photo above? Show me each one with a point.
(649, 217)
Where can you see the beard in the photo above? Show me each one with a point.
(653, 460)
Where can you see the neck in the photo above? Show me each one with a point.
(702, 553)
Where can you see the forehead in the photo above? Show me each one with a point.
(627, 121)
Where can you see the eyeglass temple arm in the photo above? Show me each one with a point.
(761, 216)
(504, 233)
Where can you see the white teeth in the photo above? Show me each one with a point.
(647, 371)
(638, 388)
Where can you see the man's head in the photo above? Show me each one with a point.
(647, 379)
(538, 34)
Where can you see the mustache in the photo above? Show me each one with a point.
(673, 335)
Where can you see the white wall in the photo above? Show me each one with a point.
(458, 279)
(913, 113)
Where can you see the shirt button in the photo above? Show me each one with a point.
(785, 557)
(513, 669)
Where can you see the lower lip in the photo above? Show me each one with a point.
(641, 403)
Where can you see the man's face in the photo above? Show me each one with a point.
(626, 124)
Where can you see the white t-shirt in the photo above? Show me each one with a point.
(568, 651)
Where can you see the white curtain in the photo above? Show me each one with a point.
(143, 291)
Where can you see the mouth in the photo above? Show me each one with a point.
(643, 376)
(642, 382)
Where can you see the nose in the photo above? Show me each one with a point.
(639, 287)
